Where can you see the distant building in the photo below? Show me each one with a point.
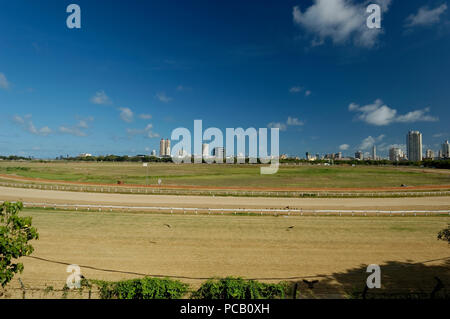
(446, 150)
(359, 155)
(218, 152)
(338, 155)
(85, 155)
(440, 154)
(429, 154)
(164, 147)
(395, 154)
(414, 146)
(153, 153)
(374, 153)
(205, 150)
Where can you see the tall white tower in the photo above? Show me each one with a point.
(205, 150)
(446, 150)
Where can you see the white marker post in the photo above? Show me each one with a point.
(146, 177)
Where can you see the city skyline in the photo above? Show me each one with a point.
(136, 71)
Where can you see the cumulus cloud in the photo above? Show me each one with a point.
(145, 116)
(291, 121)
(342, 21)
(370, 141)
(100, 97)
(163, 97)
(126, 114)
(78, 129)
(295, 89)
(380, 114)
(4, 84)
(27, 125)
(71, 130)
(147, 131)
(344, 147)
(425, 16)
(278, 125)
(299, 89)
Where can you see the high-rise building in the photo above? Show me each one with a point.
(359, 155)
(414, 146)
(395, 154)
(429, 154)
(446, 150)
(374, 153)
(153, 153)
(162, 147)
(167, 147)
(218, 152)
(205, 150)
(440, 154)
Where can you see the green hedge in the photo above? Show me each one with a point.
(238, 288)
(146, 288)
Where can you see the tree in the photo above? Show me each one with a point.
(15, 233)
(445, 234)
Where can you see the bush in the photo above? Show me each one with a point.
(146, 288)
(444, 234)
(238, 288)
(15, 233)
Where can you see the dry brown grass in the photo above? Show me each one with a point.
(208, 246)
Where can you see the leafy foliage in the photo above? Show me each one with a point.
(445, 234)
(238, 288)
(15, 233)
(145, 288)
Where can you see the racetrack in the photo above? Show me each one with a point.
(67, 197)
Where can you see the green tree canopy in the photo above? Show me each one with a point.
(15, 233)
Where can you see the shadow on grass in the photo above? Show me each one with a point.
(399, 280)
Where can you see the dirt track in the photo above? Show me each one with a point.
(58, 197)
(231, 188)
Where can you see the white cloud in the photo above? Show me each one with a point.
(369, 141)
(295, 89)
(344, 147)
(4, 84)
(278, 125)
(71, 130)
(163, 97)
(380, 114)
(145, 116)
(293, 121)
(126, 114)
(298, 89)
(416, 116)
(78, 129)
(425, 16)
(147, 131)
(342, 21)
(28, 125)
(100, 97)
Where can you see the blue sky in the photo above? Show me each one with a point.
(136, 70)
